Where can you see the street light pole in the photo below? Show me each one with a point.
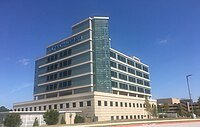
(191, 102)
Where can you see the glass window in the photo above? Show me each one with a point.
(122, 76)
(125, 104)
(114, 84)
(61, 106)
(81, 104)
(131, 79)
(44, 107)
(88, 103)
(121, 104)
(113, 64)
(121, 67)
(114, 74)
(130, 62)
(112, 54)
(55, 106)
(111, 103)
(146, 83)
(147, 91)
(121, 58)
(67, 105)
(123, 86)
(69, 51)
(145, 69)
(138, 65)
(74, 104)
(69, 72)
(141, 90)
(132, 88)
(139, 81)
(116, 104)
(146, 76)
(117, 117)
(132, 71)
(99, 103)
(105, 103)
(138, 73)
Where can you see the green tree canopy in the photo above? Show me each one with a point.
(51, 117)
(180, 110)
(3, 109)
(152, 111)
(79, 119)
(147, 105)
(12, 120)
(166, 108)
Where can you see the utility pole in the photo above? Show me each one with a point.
(191, 102)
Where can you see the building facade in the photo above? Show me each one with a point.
(83, 73)
(174, 105)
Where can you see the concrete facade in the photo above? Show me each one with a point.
(104, 106)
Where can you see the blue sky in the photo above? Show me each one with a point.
(163, 33)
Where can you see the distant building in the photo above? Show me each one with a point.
(83, 73)
(174, 105)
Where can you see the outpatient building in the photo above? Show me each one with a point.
(82, 73)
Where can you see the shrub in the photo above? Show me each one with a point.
(12, 120)
(79, 119)
(51, 117)
(36, 122)
(62, 121)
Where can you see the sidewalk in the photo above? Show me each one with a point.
(134, 123)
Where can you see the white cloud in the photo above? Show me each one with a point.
(164, 41)
(24, 61)
(19, 88)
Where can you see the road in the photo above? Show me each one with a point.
(186, 124)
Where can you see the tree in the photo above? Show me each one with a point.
(51, 117)
(166, 108)
(180, 110)
(36, 122)
(62, 121)
(3, 109)
(147, 105)
(154, 111)
(151, 110)
(159, 109)
(198, 100)
(12, 120)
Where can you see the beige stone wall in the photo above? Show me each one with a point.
(103, 113)
(86, 110)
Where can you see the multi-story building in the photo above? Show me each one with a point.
(174, 105)
(83, 73)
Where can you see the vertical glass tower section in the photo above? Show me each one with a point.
(101, 54)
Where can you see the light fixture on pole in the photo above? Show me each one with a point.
(191, 102)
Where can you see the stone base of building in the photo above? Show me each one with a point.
(94, 106)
